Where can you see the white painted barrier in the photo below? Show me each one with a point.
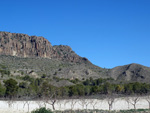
(74, 104)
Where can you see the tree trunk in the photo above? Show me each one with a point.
(53, 106)
(28, 108)
(109, 107)
(134, 107)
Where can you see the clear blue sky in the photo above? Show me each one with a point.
(108, 32)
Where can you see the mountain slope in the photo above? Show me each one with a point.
(36, 56)
(131, 72)
(31, 55)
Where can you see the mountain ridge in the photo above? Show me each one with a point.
(23, 45)
(20, 52)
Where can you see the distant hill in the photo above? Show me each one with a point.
(131, 72)
(35, 56)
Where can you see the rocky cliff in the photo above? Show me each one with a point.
(22, 45)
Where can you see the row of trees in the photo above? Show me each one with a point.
(40, 88)
(37, 88)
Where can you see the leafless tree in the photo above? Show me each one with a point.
(133, 101)
(73, 102)
(49, 94)
(27, 102)
(52, 103)
(82, 102)
(86, 103)
(110, 100)
(10, 102)
(50, 100)
(127, 99)
(93, 102)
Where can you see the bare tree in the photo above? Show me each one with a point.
(127, 99)
(93, 102)
(49, 94)
(10, 102)
(27, 102)
(82, 102)
(133, 101)
(110, 100)
(73, 102)
(86, 103)
(52, 103)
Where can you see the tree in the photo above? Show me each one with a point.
(73, 91)
(128, 88)
(80, 90)
(127, 99)
(2, 90)
(73, 102)
(137, 87)
(107, 88)
(110, 99)
(11, 88)
(93, 102)
(83, 102)
(49, 94)
(133, 101)
(27, 102)
(119, 88)
(87, 90)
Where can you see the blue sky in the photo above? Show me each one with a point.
(107, 32)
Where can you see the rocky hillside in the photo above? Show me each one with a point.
(131, 72)
(22, 45)
(35, 56)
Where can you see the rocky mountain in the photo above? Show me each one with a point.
(22, 45)
(35, 56)
(131, 72)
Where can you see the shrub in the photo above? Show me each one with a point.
(42, 110)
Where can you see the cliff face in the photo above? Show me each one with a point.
(22, 45)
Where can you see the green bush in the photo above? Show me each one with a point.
(42, 110)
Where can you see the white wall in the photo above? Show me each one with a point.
(119, 104)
